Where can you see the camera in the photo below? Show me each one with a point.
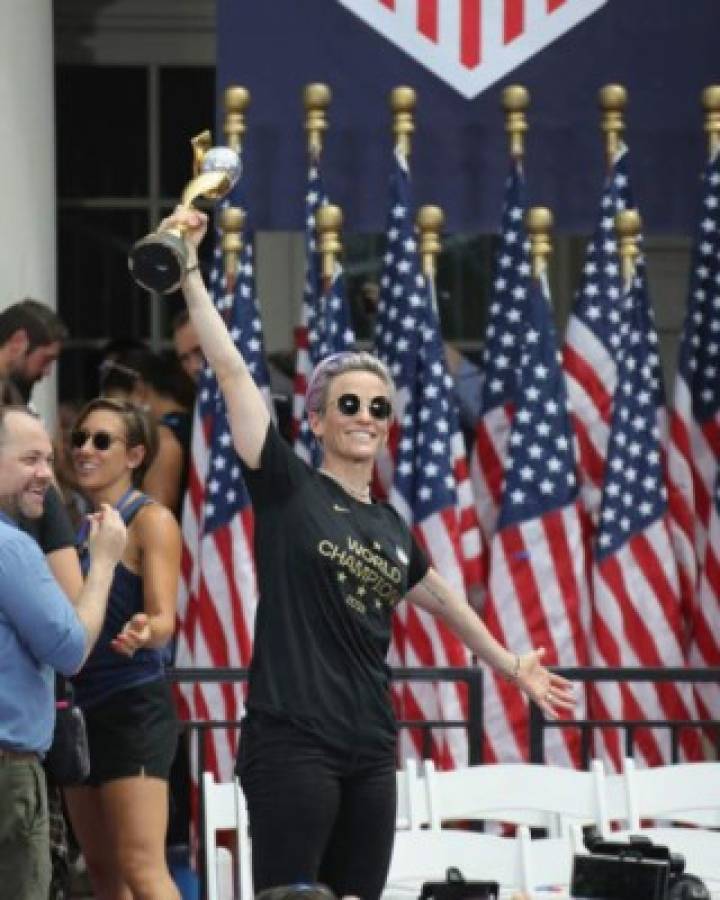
(632, 869)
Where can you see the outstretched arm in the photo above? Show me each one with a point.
(551, 692)
(248, 415)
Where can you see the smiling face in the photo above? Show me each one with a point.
(26, 458)
(354, 437)
(103, 462)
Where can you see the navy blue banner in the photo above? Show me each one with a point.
(664, 52)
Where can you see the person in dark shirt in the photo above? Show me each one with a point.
(158, 385)
(318, 746)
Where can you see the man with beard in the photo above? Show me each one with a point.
(31, 337)
(40, 631)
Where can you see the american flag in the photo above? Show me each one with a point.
(218, 587)
(501, 353)
(694, 446)
(325, 325)
(423, 489)
(636, 590)
(592, 338)
(537, 588)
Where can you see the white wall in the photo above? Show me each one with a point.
(27, 161)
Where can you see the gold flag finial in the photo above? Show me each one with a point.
(232, 222)
(316, 99)
(237, 100)
(200, 144)
(539, 223)
(328, 224)
(613, 100)
(628, 226)
(402, 103)
(430, 221)
(711, 103)
(515, 100)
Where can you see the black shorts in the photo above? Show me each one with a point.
(132, 733)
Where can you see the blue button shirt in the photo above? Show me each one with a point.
(39, 633)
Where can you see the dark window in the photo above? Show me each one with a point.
(108, 198)
(102, 123)
(187, 107)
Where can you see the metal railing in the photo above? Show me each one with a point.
(587, 727)
(472, 679)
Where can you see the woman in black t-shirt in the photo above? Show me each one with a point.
(317, 752)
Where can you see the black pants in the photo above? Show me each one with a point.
(316, 814)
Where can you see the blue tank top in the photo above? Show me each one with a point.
(106, 672)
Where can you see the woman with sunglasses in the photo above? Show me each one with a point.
(120, 814)
(318, 747)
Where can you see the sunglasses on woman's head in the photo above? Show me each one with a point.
(101, 440)
(379, 407)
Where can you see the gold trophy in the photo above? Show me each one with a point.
(158, 261)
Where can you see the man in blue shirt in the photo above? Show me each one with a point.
(40, 632)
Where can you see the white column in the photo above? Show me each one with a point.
(27, 163)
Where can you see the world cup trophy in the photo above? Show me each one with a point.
(158, 261)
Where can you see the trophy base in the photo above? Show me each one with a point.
(157, 262)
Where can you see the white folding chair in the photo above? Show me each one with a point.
(683, 792)
(547, 861)
(616, 803)
(412, 811)
(550, 797)
(225, 810)
(423, 855)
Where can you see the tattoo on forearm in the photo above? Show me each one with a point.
(434, 594)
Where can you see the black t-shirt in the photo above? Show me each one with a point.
(330, 572)
(53, 530)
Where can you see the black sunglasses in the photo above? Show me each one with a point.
(379, 407)
(101, 440)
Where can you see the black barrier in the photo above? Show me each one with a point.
(539, 723)
(472, 678)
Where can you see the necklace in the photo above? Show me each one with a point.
(363, 496)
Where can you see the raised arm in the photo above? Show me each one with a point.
(551, 692)
(248, 415)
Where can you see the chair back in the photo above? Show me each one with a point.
(425, 855)
(683, 792)
(412, 810)
(545, 796)
(225, 810)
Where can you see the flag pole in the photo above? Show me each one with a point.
(232, 223)
(711, 102)
(628, 226)
(402, 104)
(328, 222)
(232, 219)
(430, 220)
(236, 100)
(613, 100)
(316, 99)
(515, 100)
(539, 222)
